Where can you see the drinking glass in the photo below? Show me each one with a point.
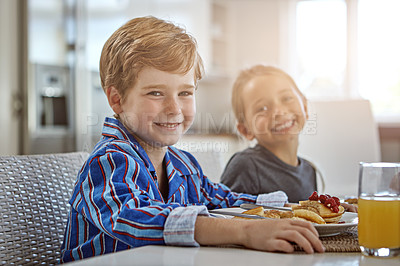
(379, 209)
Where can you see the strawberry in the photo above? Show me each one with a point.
(337, 200)
(323, 198)
(314, 196)
(330, 203)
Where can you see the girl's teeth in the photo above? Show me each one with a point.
(283, 126)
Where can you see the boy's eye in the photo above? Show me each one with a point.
(155, 93)
(186, 93)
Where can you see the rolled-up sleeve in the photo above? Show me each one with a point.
(179, 226)
(276, 199)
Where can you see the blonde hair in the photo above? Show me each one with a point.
(247, 75)
(147, 42)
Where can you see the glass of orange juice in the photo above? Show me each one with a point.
(379, 209)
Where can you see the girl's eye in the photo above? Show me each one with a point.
(263, 109)
(287, 98)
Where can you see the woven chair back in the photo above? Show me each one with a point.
(34, 195)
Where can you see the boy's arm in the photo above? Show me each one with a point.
(116, 196)
(266, 235)
(180, 224)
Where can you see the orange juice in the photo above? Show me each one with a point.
(379, 222)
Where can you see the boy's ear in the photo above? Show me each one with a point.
(114, 99)
(244, 131)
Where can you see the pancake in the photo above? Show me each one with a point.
(309, 215)
(278, 214)
(324, 212)
(256, 211)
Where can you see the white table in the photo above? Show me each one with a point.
(168, 255)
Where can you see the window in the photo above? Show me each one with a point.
(321, 47)
(379, 56)
(350, 49)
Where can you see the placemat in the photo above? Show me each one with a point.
(345, 242)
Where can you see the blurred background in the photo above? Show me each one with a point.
(50, 94)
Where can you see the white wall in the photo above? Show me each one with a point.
(253, 36)
(256, 32)
(9, 76)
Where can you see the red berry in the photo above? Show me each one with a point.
(337, 200)
(335, 209)
(314, 196)
(330, 203)
(323, 198)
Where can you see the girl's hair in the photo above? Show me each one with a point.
(247, 75)
(147, 42)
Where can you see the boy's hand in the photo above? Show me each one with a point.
(277, 235)
(259, 234)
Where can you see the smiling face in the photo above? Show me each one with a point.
(160, 107)
(274, 112)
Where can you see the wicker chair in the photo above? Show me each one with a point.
(34, 194)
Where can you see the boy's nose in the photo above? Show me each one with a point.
(172, 106)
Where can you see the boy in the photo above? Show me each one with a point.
(136, 189)
(269, 108)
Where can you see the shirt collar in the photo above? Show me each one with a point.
(183, 162)
(113, 128)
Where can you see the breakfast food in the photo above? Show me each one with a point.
(325, 206)
(319, 209)
(256, 211)
(278, 214)
(309, 216)
(274, 214)
(351, 200)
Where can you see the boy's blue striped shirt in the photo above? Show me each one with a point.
(116, 203)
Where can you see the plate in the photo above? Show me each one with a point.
(349, 219)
